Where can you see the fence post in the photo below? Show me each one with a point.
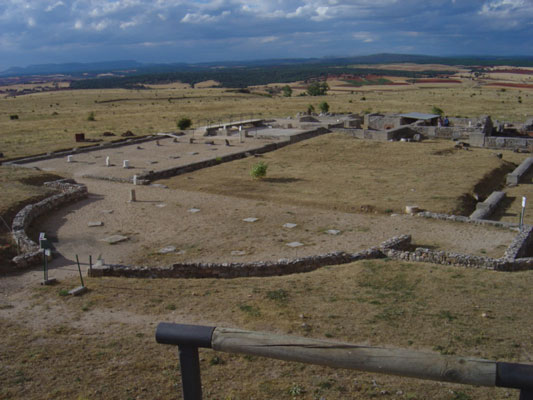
(188, 338)
(191, 380)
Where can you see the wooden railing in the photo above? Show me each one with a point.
(401, 362)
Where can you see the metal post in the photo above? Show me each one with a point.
(90, 263)
(191, 380)
(79, 269)
(526, 394)
(45, 272)
(522, 212)
(188, 338)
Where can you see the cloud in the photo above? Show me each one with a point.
(51, 7)
(365, 37)
(197, 18)
(259, 28)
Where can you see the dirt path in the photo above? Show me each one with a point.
(163, 217)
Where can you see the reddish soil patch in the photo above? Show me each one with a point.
(435, 80)
(379, 84)
(514, 85)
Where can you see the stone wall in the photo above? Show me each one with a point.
(460, 218)
(514, 177)
(486, 208)
(520, 245)
(234, 270)
(495, 142)
(70, 192)
(398, 248)
(78, 150)
(174, 171)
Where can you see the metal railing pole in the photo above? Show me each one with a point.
(188, 338)
(191, 380)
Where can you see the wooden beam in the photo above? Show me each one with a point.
(400, 362)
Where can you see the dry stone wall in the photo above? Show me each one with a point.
(235, 270)
(31, 253)
(398, 247)
(78, 150)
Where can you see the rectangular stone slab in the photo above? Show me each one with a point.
(115, 239)
(78, 291)
(95, 223)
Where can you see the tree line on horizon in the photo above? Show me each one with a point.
(245, 76)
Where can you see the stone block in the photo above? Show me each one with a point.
(114, 239)
(78, 291)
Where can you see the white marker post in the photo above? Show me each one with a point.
(135, 179)
(524, 201)
(69, 158)
(125, 164)
(107, 161)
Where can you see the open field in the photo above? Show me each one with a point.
(338, 172)
(48, 121)
(102, 345)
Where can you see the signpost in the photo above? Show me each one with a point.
(524, 200)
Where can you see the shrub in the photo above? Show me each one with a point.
(324, 107)
(184, 123)
(259, 170)
(91, 116)
(437, 110)
(287, 91)
(13, 116)
(317, 89)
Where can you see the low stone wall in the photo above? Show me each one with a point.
(495, 142)
(446, 258)
(520, 245)
(175, 171)
(78, 150)
(514, 177)
(70, 192)
(397, 248)
(486, 208)
(467, 220)
(234, 270)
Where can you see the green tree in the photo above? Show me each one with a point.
(184, 123)
(287, 91)
(310, 109)
(317, 89)
(324, 107)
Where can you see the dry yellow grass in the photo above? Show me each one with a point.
(48, 121)
(335, 171)
(102, 345)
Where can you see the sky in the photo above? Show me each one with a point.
(164, 31)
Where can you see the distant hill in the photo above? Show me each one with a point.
(129, 67)
(72, 68)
